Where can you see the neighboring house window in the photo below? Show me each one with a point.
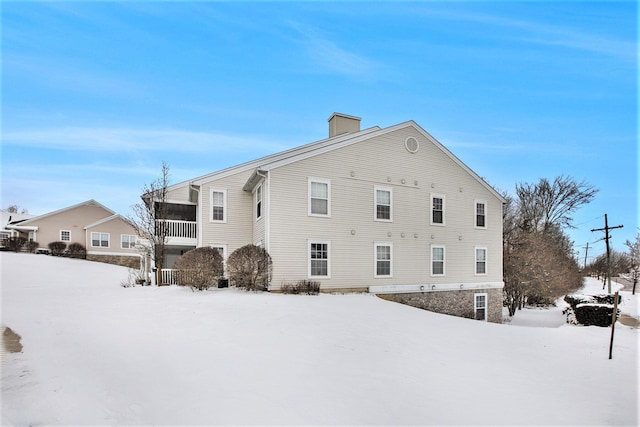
(480, 306)
(319, 259)
(481, 214)
(437, 209)
(481, 260)
(383, 204)
(218, 206)
(384, 256)
(259, 202)
(128, 241)
(437, 260)
(100, 240)
(319, 197)
(65, 236)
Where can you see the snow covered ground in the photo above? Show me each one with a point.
(98, 353)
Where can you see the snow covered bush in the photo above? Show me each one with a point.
(31, 246)
(308, 287)
(199, 268)
(250, 267)
(15, 244)
(76, 250)
(591, 310)
(57, 248)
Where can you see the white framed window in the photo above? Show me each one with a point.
(127, 241)
(383, 210)
(480, 306)
(437, 260)
(65, 235)
(259, 202)
(383, 260)
(99, 240)
(319, 259)
(222, 249)
(480, 214)
(319, 197)
(218, 205)
(437, 209)
(481, 260)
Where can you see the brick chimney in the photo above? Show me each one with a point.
(341, 123)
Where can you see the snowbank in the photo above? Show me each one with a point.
(97, 353)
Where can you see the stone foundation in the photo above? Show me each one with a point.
(455, 303)
(124, 261)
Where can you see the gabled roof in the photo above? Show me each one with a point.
(283, 158)
(273, 157)
(59, 211)
(107, 219)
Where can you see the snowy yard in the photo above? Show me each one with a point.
(98, 353)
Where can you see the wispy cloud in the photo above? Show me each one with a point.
(530, 31)
(332, 57)
(130, 139)
(71, 75)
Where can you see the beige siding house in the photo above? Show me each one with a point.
(106, 235)
(384, 210)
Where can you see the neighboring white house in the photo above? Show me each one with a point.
(383, 210)
(10, 218)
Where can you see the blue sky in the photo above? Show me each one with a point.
(96, 95)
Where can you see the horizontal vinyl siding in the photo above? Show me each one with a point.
(179, 195)
(116, 228)
(237, 231)
(354, 171)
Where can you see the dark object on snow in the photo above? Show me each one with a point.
(593, 310)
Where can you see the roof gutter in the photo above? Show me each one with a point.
(253, 180)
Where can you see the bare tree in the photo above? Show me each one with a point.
(147, 219)
(634, 260)
(16, 209)
(545, 203)
(538, 259)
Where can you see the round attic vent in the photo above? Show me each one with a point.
(412, 145)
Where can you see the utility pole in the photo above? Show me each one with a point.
(606, 238)
(585, 257)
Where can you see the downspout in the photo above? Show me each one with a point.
(198, 214)
(267, 224)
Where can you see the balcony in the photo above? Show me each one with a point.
(178, 232)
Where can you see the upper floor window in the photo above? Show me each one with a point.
(65, 235)
(319, 259)
(437, 260)
(128, 241)
(319, 197)
(218, 206)
(384, 257)
(383, 204)
(481, 214)
(481, 260)
(100, 240)
(259, 202)
(437, 209)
